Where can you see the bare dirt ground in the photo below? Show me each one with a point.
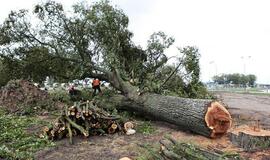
(243, 107)
(248, 107)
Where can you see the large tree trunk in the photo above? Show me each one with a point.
(204, 117)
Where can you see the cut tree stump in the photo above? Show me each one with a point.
(250, 138)
(205, 117)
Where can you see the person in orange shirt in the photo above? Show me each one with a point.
(96, 86)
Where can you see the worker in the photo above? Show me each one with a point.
(72, 92)
(96, 86)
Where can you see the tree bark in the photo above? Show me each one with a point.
(203, 117)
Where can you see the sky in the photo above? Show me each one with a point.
(232, 35)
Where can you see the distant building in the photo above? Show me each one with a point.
(263, 86)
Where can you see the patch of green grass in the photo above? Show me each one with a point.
(3, 111)
(149, 152)
(146, 128)
(15, 142)
(231, 155)
(60, 95)
(86, 94)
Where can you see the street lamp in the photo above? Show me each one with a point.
(244, 58)
(216, 71)
(213, 62)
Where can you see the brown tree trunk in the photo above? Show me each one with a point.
(203, 117)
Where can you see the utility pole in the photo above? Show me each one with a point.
(216, 70)
(244, 59)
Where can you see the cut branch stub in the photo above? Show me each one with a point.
(218, 119)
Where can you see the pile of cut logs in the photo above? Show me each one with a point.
(84, 119)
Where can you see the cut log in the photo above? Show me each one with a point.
(69, 133)
(80, 128)
(205, 117)
(250, 138)
(128, 125)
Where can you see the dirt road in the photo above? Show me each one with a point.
(247, 107)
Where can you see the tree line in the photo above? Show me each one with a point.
(235, 78)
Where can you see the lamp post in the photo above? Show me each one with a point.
(214, 63)
(244, 58)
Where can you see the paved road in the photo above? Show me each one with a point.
(248, 107)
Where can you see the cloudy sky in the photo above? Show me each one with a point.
(233, 36)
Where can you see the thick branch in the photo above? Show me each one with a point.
(172, 73)
(127, 89)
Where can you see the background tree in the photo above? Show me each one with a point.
(236, 78)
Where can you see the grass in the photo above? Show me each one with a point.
(149, 152)
(146, 128)
(60, 95)
(231, 155)
(15, 142)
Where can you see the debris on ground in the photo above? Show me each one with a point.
(85, 119)
(172, 149)
(20, 96)
(128, 126)
(130, 131)
(116, 146)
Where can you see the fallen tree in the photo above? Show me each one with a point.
(95, 41)
(205, 117)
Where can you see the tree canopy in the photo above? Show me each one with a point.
(92, 41)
